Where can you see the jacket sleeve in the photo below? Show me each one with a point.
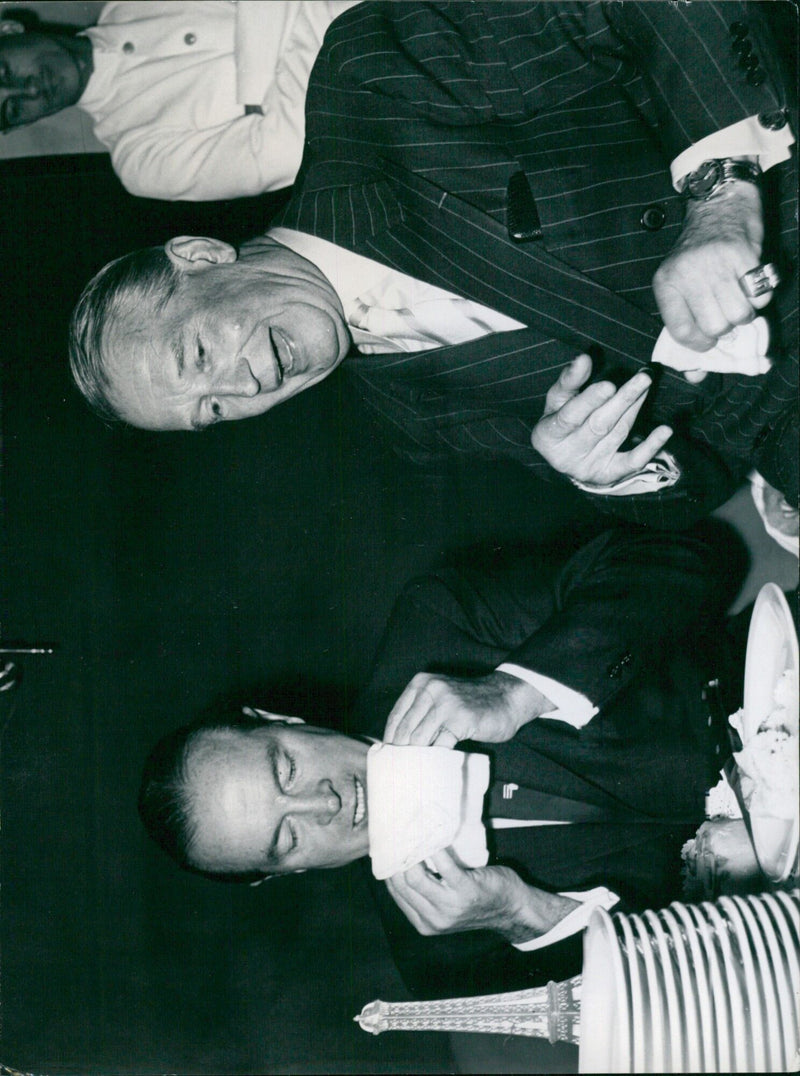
(623, 599)
(707, 66)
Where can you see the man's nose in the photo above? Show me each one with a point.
(239, 380)
(320, 803)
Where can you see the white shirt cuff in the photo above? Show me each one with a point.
(747, 138)
(569, 706)
(661, 472)
(577, 919)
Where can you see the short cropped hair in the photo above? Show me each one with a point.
(143, 276)
(164, 797)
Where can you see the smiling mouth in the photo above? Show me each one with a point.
(361, 803)
(283, 352)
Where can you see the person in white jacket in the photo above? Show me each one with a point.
(195, 101)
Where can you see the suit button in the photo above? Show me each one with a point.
(773, 121)
(653, 218)
(128, 47)
(756, 76)
(741, 47)
(190, 39)
(738, 30)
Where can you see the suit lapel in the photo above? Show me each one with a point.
(418, 229)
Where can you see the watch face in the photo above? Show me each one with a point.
(703, 179)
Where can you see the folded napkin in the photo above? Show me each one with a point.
(743, 350)
(421, 801)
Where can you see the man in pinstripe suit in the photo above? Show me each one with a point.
(505, 165)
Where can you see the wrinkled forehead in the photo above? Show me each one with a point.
(138, 349)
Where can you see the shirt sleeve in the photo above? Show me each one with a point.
(577, 919)
(570, 706)
(747, 138)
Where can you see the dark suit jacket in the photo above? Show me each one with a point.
(420, 116)
(633, 622)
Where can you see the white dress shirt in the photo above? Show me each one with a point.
(171, 81)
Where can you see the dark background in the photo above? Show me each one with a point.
(252, 563)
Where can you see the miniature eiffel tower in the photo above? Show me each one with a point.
(548, 1012)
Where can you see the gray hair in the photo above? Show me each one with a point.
(143, 276)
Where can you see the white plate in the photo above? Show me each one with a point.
(605, 1002)
(760, 986)
(655, 1045)
(719, 996)
(702, 988)
(779, 974)
(676, 1061)
(734, 978)
(692, 1045)
(640, 1020)
(772, 649)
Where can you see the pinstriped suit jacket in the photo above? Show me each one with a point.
(418, 115)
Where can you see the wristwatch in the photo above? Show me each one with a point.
(707, 180)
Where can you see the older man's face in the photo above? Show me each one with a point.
(278, 799)
(236, 338)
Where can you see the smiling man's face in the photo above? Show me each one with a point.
(236, 338)
(39, 73)
(276, 799)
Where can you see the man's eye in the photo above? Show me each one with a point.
(286, 771)
(201, 356)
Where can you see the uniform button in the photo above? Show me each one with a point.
(190, 39)
(738, 29)
(773, 121)
(128, 47)
(653, 218)
(741, 47)
(748, 63)
(756, 77)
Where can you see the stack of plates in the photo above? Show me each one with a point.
(694, 988)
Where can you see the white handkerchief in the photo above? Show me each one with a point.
(421, 801)
(743, 350)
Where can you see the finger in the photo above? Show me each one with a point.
(570, 380)
(574, 413)
(638, 457)
(626, 401)
(398, 711)
(427, 730)
(446, 864)
(408, 711)
(680, 320)
(444, 738)
(608, 444)
(733, 303)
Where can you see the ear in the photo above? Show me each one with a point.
(265, 715)
(194, 253)
(11, 26)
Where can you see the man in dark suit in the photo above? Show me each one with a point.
(511, 160)
(584, 682)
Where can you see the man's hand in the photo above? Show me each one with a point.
(441, 710)
(489, 898)
(697, 286)
(580, 433)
